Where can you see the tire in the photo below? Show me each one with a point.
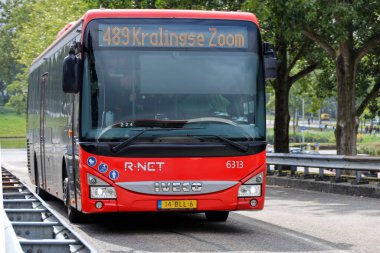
(73, 215)
(217, 216)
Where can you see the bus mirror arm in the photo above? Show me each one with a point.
(270, 61)
(70, 82)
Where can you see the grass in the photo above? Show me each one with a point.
(13, 143)
(12, 125)
(372, 149)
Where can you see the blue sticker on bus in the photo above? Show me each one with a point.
(91, 161)
(114, 174)
(103, 167)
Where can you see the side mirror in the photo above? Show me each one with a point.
(270, 61)
(70, 83)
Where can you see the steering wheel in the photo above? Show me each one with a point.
(116, 125)
(213, 119)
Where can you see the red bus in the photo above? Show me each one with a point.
(150, 110)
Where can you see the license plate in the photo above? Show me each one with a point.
(177, 204)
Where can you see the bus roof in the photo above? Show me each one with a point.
(154, 13)
(151, 13)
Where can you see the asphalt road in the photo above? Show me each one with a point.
(292, 221)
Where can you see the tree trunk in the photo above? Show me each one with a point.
(347, 123)
(294, 120)
(281, 87)
(281, 121)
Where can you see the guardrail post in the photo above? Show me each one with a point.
(293, 170)
(338, 176)
(321, 175)
(306, 173)
(269, 172)
(280, 173)
(358, 179)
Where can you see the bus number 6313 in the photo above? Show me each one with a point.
(234, 164)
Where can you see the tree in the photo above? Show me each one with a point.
(348, 31)
(296, 58)
(9, 67)
(110, 4)
(18, 90)
(368, 78)
(221, 5)
(124, 4)
(28, 28)
(306, 95)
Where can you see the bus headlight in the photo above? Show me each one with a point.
(102, 192)
(100, 189)
(249, 190)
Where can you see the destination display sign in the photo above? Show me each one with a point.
(171, 35)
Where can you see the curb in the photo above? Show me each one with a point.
(370, 191)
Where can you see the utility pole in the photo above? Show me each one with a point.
(303, 120)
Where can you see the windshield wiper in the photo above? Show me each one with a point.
(234, 144)
(128, 141)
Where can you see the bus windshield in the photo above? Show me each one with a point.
(202, 75)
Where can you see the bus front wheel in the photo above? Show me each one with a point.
(73, 215)
(218, 216)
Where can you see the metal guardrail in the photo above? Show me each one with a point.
(36, 226)
(359, 164)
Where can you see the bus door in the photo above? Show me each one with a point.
(41, 172)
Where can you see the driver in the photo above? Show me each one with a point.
(122, 98)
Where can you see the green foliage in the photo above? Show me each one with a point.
(355, 22)
(309, 90)
(230, 5)
(8, 64)
(46, 18)
(222, 5)
(372, 149)
(122, 4)
(372, 111)
(28, 28)
(325, 79)
(18, 92)
(367, 77)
